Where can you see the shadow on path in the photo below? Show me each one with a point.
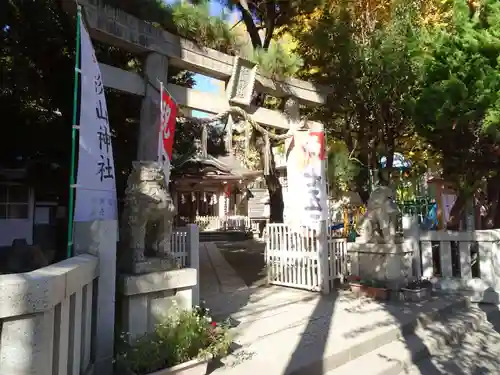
(493, 315)
(247, 259)
(316, 332)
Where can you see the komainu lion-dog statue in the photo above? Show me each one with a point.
(148, 213)
(379, 223)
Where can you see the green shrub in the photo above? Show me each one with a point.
(181, 337)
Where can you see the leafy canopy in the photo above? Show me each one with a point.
(458, 107)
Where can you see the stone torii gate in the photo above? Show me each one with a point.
(162, 49)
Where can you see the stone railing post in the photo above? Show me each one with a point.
(411, 236)
(99, 238)
(193, 242)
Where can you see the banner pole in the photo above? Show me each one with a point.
(160, 134)
(74, 135)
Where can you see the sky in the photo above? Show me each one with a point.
(203, 83)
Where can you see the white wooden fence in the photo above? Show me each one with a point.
(185, 247)
(468, 262)
(337, 259)
(223, 223)
(465, 262)
(294, 258)
(47, 319)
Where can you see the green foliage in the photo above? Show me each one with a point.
(342, 168)
(195, 22)
(34, 91)
(181, 337)
(276, 62)
(373, 80)
(192, 22)
(457, 109)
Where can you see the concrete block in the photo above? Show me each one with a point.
(147, 299)
(381, 261)
(157, 281)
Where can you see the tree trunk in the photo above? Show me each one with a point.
(276, 204)
(252, 30)
(362, 179)
(496, 222)
(270, 24)
(457, 211)
(390, 148)
(493, 198)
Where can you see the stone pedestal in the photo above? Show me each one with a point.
(149, 265)
(145, 300)
(391, 262)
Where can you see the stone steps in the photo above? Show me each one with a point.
(478, 353)
(462, 343)
(398, 356)
(325, 333)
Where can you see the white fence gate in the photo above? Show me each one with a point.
(294, 258)
(185, 247)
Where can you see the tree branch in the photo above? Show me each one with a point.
(246, 15)
(271, 23)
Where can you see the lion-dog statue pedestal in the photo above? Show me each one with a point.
(150, 284)
(379, 253)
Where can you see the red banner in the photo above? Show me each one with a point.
(168, 121)
(320, 137)
(227, 190)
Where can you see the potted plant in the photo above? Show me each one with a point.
(182, 344)
(417, 290)
(355, 285)
(376, 289)
(369, 288)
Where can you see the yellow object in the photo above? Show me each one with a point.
(351, 218)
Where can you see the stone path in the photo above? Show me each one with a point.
(216, 275)
(209, 283)
(247, 258)
(285, 331)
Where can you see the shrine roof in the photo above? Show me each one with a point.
(197, 163)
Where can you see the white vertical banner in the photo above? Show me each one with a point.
(307, 195)
(96, 185)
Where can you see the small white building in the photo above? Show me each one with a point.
(22, 216)
(17, 207)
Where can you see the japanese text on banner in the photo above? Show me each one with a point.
(96, 187)
(307, 197)
(168, 120)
